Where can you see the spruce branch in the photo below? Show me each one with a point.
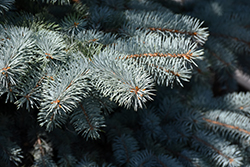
(52, 120)
(15, 54)
(34, 22)
(150, 123)
(73, 69)
(30, 95)
(94, 36)
(50, 46)
(42, 153)
(73, 24)
(192, 158)
(106, 106)
(167, 22)
(167, 59)
(87, 119)
(10, 152)
(218, 149)
(63, 94)
(233, 125)
(14, 58)
(5, 5)
(124, 148)
(67, 88)
(127, 86)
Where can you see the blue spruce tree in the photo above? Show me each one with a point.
(126, 83)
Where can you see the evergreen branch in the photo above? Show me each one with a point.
(191, 119)
(11, 93)
(164, 58)
(73, 23)
(46, 66)
(187, 55)
(106, 105)
(233, 125)
(146, 158)
(5, 5)
(222, 58)
(178, 133)
(116, 128)
(51, 46)
(127, 86)
(10, 152)
(193, 158)
(30, 89)
(166, 161)
(217, 123)
(124, 148)
(80, 8)
(34, 22)
(220, 53)
(150, 47)
(105, 18)
(67, 89)
(217, 149)
(235, 101)
(168, 22)
(62, 94)
(168, 73)
(88, 48)
(213, 148)
(42, 153)
(91, 127)
(87, 119)
(96, 37)
(240, 44)
(173, 31)
(29, 95)
(150, 123)
(53, 119)
(167, 107)
(143, 158)
(14, 54)
(14, 58)
(219, 58)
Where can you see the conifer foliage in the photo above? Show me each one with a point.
(124, 83)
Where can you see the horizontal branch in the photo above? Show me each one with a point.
(173, 31)
(226, 125)
(213, 148)
(230, 37)
(187, 55)
(168, 71)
